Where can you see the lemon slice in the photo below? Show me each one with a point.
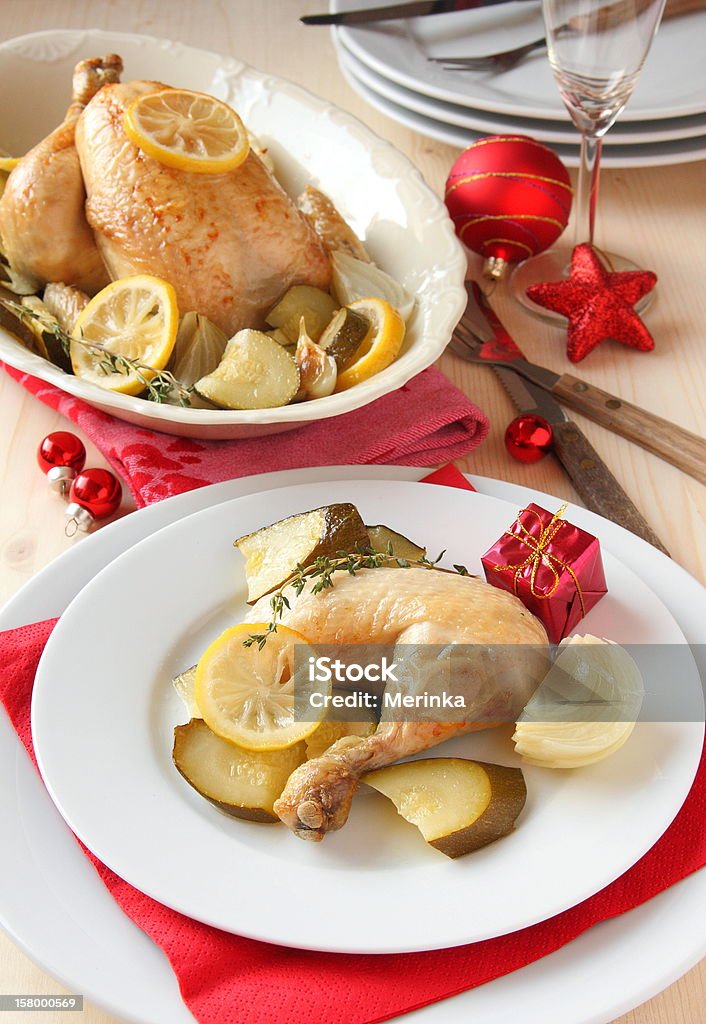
(188, 130)
(136, 317)
(246, 694)
(379, 347)
(8, 163)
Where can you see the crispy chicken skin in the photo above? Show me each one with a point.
(42, 218)
(416, 607)
(230, 244)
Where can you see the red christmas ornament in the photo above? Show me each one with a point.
(61, 456)
(529, 438)
(598, 303)
(95, 494)
(509, 198)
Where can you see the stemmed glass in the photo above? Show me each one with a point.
(596, 51)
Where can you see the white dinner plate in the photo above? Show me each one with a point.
(659, 154)
(672, 83)
(168, 597)
(54, 906)
(378, 190)
(628, 133)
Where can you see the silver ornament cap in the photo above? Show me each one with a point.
(79, 519)
(59, 479)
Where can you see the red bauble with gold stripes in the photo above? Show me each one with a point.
(509, 198)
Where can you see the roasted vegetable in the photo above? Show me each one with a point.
(586, 707)
(41, 323)
(65, 303)
(316, 306)
(329, 225)
(198, 348)
(344, 335)
(254, 373)
(18, 325)
(273, 553)
(317, 370)
(184, 686)
(458, 805)
(243, 783)
(381, 537)
(354, 279)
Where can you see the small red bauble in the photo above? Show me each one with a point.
(95, 494)
(61, 456)
(509, 198)
(529, 438)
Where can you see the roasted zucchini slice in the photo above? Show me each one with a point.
(243, 783)
(344, 336)
(273, 553)
(254, 373)
(381, 537)
(303, 300)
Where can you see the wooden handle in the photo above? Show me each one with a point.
(612, 15)
(675, 445)
(597, 486)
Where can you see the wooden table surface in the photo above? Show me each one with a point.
(657, 216)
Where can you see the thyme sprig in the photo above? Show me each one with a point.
(159, 385)
(322, 571)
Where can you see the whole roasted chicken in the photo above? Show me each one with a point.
(427, 610)
(86, 205)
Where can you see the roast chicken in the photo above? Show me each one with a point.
(43, 224)
(428, 611)
(86, 206)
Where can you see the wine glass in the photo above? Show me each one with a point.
(596, 51)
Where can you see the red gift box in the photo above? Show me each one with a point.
(553, 567)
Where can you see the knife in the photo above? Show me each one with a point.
(415, 9)
(598, 488)
(677, 446)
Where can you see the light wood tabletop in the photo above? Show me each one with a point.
(657, 216)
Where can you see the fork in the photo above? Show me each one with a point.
(501, 61)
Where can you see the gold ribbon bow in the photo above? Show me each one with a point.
(539, 555)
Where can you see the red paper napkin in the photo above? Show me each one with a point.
(232, 980)
(423, 423)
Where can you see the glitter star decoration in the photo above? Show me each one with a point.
(598, 303)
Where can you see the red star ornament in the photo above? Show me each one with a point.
(598, 304)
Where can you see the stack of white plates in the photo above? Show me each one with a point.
(386, 63)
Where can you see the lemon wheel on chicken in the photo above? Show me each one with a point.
(135, 318)
(247, 694)
(380, 346)
(188, 130)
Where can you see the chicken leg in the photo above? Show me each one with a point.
(43, 224)
(425, 613)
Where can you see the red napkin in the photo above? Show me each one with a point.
(233, 980)
(425, 422)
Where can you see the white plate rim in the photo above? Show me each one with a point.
(126, 857)
(353, 42)
(641, 155)
(562, 132)
(33, 602)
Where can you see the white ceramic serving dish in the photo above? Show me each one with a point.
(381, 194)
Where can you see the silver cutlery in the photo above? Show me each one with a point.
(415, 9)
(500, 61)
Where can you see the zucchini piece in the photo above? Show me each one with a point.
(458, 805)
(254, 373)
(344, 335)
(402, 547)
(243, 783)
(48, 344)
(303, 300)
(273, 553)
(18, 326)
